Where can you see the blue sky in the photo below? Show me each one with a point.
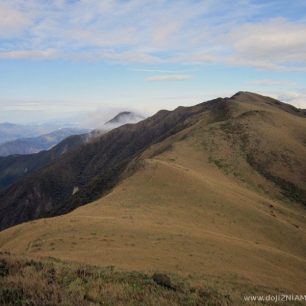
(62, 58)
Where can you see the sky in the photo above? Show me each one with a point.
(63, 59)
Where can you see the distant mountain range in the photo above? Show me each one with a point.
(32, 138)
(13, 167)
(97, 165)
(215, 189)
(39, 143)
(11, 131)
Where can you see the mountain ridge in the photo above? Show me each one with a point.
(96, 167)
(12, 131)
(14, 167)
(200, 200)
(60, 187)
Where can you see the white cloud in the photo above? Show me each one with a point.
(278, 40)
(30, 54)
(154, 32)
(296, 98)
(198, 58)
(271, 82)
(154, 70)
(169, 77)
(45, 106)
(13, 21)
(275, 45)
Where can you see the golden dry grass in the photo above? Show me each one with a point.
(197, 208)
(53, 282)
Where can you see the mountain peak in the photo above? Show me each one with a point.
(254, 98)
(125, 117)
(247, 94)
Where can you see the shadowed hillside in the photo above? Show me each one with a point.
(94, 168)
(247, 137)
(14, 167)
(215, 190)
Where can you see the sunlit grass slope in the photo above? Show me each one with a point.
(206, 201)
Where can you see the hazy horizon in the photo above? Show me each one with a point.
(91, 119)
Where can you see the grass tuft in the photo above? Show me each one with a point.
(53, 282)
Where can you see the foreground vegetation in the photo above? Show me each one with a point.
(49, 281)
(54, 282)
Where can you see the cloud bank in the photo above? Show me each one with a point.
(234, 33)
(169, 77)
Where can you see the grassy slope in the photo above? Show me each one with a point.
(198, 207)
(94, 167)
(52, 282)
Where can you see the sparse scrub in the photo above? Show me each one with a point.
(288, 189)
(52, 282)
(222, 165)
